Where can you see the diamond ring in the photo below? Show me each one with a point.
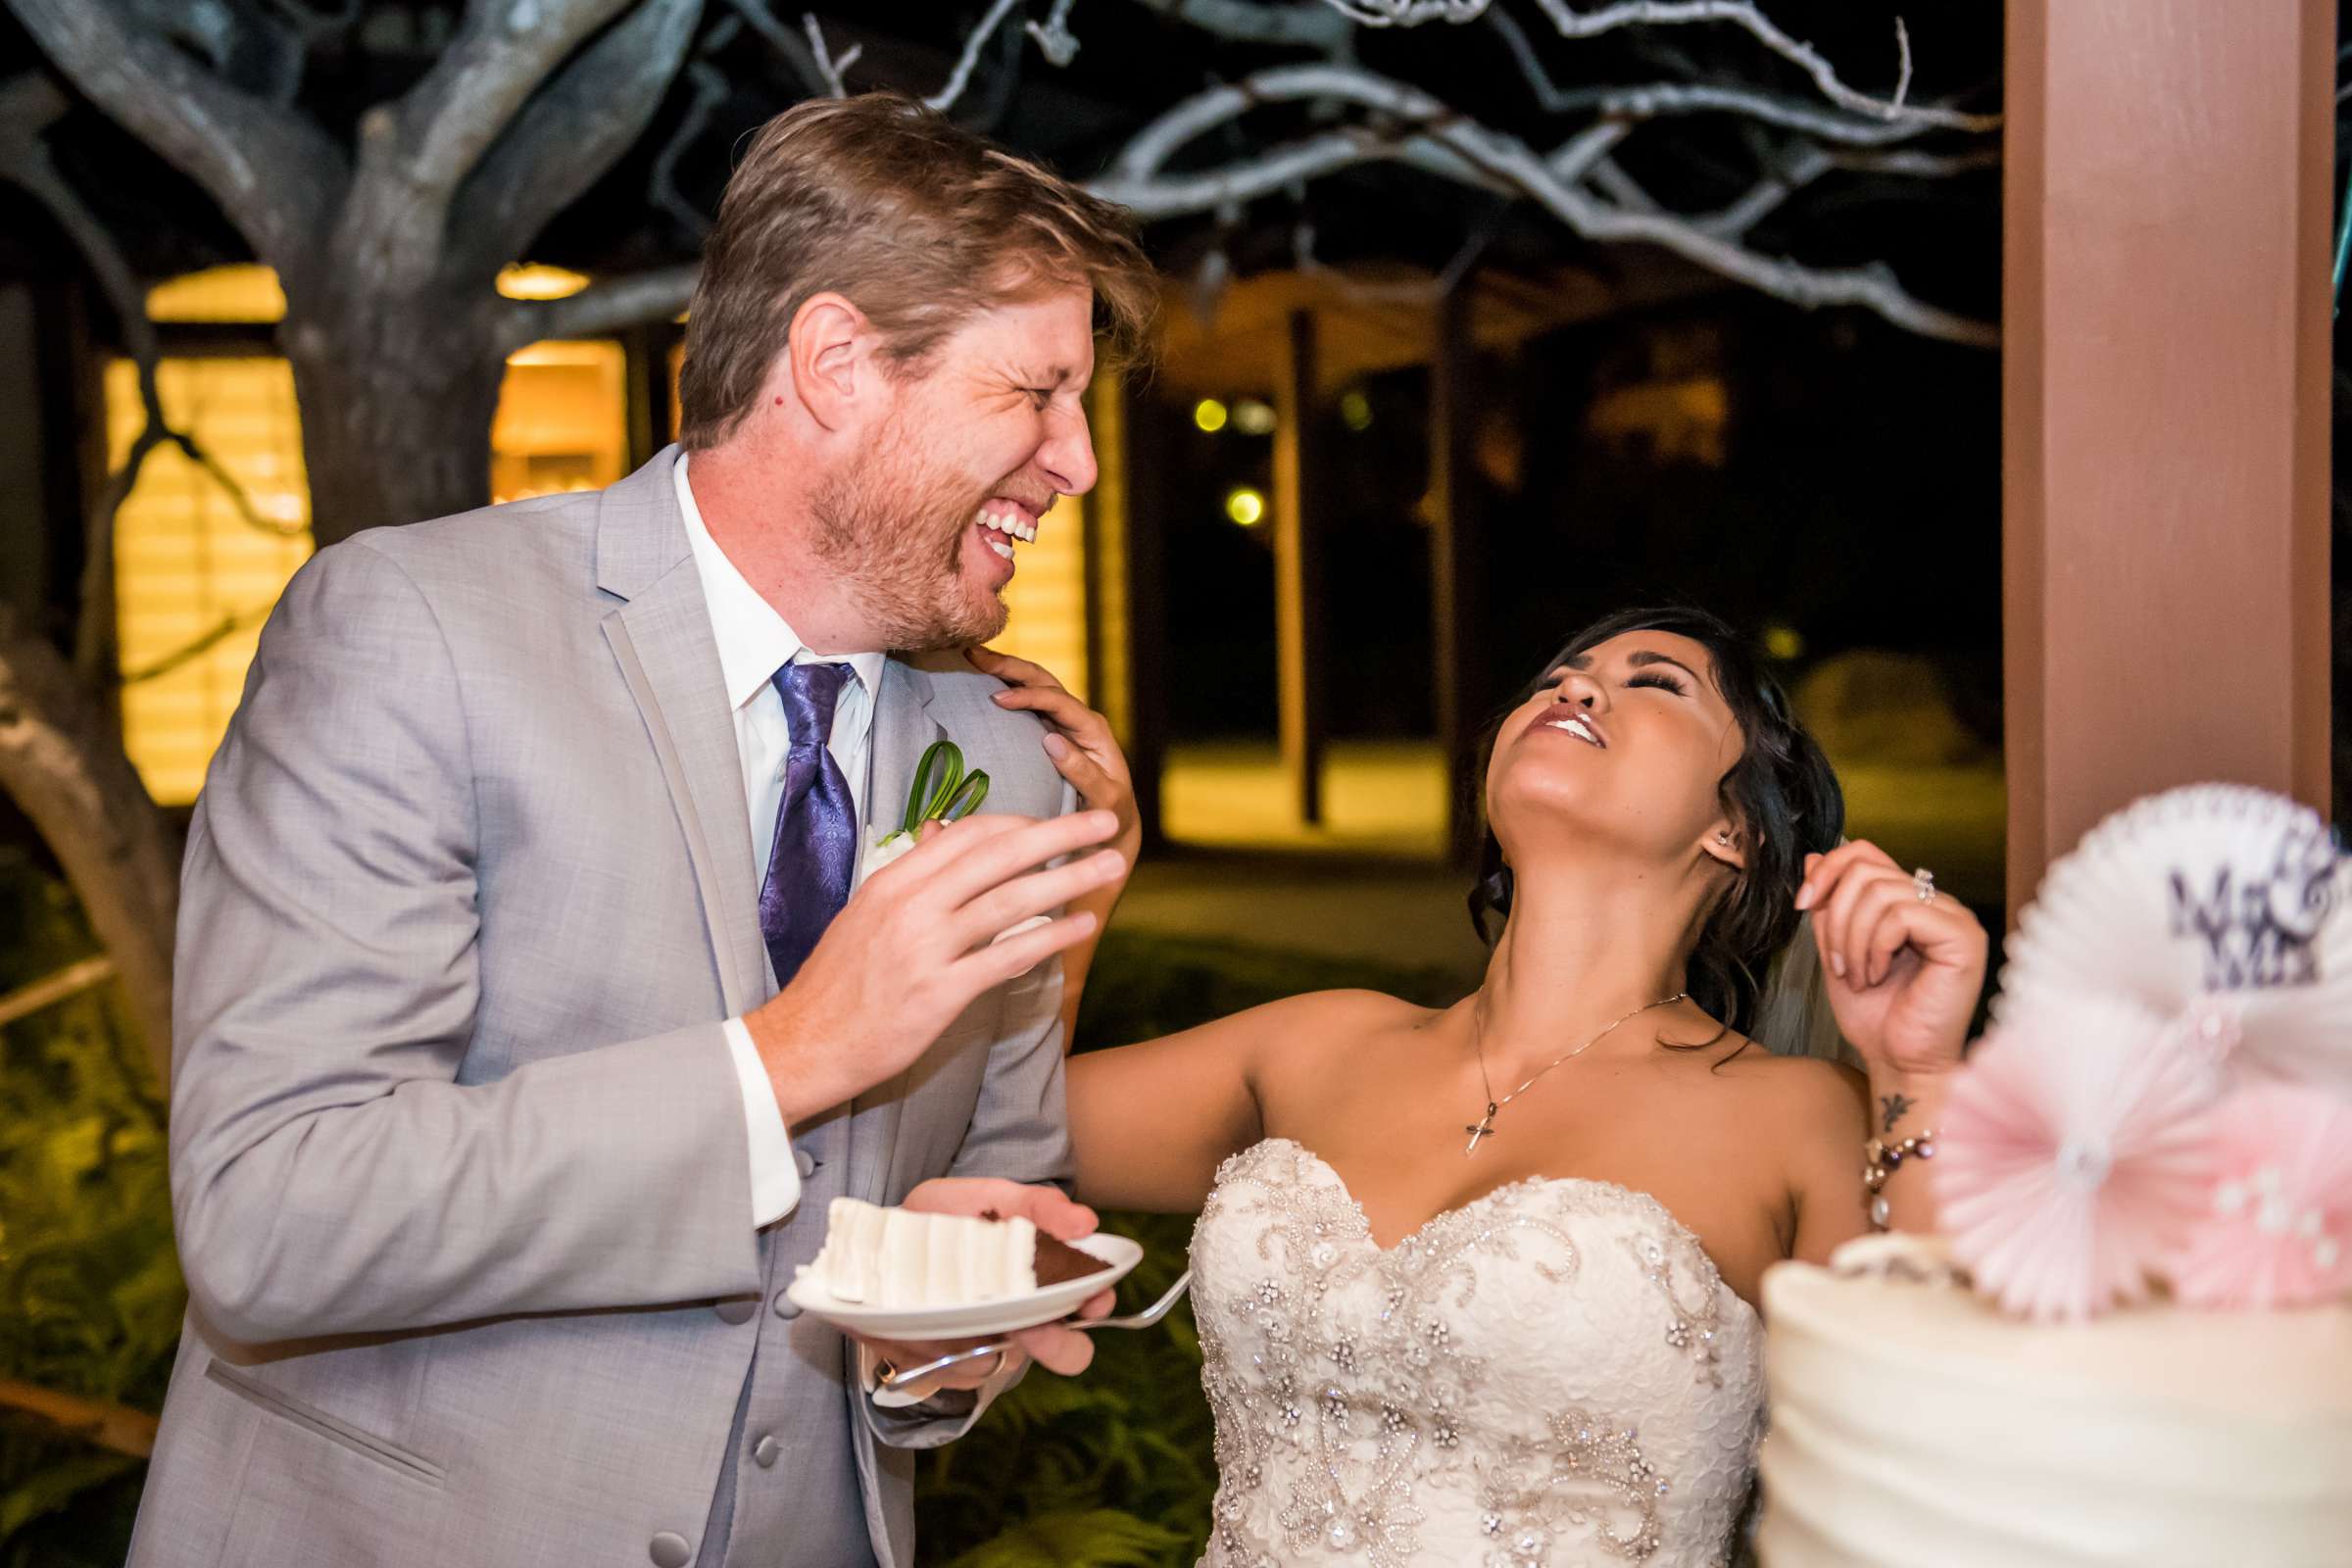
(1924, 880)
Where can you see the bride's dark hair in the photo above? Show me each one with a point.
(1782, 792)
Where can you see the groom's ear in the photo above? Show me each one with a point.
(829, 352)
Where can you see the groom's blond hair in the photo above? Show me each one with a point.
(918, 222)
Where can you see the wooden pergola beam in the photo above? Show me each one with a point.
(1300, 648)
(2166, 393)
(1455, 622)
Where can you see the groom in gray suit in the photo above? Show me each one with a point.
(531, 1004)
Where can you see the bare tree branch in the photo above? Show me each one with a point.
(571, 133)
(1611, 180)
(273, 171)
(1055, 39)
(1586, 149)
(961, 78)
(831, 69)
(1912, 161)
(709, 88)
(62, 760)
(50, 990)
(1435, 137)
(1407, 12)
(755, 14)
(502, 56)
(1280, 24)
(1744, 14)
(1661, 99)
(186, 653)
(116, 1428)
(1767, 195)
(607, 307)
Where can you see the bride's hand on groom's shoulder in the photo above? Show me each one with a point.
(1903, 973)
(1078, 740)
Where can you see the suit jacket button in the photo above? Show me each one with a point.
(786, 1308)
(765, 1451)
(669, 1551)
(805, 1162)
(736, 1312)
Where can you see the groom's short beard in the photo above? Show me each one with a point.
(894, 536)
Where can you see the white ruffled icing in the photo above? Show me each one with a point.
(898, 1258)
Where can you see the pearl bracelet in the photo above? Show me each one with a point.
(1879, 1160)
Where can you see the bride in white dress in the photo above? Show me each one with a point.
(1476, 1286)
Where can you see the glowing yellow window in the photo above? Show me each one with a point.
(563, 421)
(194, 577)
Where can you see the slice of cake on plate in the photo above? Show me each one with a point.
(899, 1258)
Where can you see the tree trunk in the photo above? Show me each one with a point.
(397, 396)
(61, 760)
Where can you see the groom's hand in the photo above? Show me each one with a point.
(1051, 1346)
(918, 944)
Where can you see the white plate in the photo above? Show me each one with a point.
(999, 1316)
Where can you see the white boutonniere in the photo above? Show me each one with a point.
(942, 792)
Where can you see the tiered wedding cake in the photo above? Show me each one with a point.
(2145, 1174)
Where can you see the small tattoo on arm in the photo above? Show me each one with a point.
(1895, 1106)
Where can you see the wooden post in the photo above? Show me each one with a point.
(1301, 654)
(2165, 371)
(1126, 625)
(1454, 596)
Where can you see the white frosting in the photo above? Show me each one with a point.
(898, 1258)
(1912, 1423)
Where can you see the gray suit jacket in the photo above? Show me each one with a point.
(457, 1151)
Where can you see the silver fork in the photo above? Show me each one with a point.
(891, 1377)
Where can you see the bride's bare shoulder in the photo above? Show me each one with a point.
(1803, 1096)
(1351, 1011)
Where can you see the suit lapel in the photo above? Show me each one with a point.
(662, 641)
(903, 730)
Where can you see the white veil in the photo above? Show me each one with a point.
(1794, 1017)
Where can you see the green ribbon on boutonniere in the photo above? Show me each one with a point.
(942, 792)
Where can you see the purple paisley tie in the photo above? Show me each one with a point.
(816, 851)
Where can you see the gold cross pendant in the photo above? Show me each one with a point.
(1485, 1128)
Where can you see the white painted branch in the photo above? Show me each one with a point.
(273, 173)
(607, 307)
(1611, 180)
(1569, 22)
(1407, 12)
(1438, 139)
(501, 55)
(961, 78)
(1767, 195)
(571, 131)
(830, 69)
(1281, 24)
(1588, 147)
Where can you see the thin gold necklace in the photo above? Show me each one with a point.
(1484, 1127)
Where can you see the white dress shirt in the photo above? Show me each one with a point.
(753, 643)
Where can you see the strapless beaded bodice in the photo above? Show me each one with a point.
(1552, 1376)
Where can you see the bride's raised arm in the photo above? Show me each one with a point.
(1086, 754)
(1905, 966)
(1152, 1121)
